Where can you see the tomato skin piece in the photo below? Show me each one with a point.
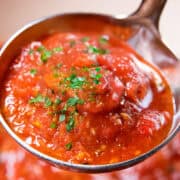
(122, 64)
(151, 121)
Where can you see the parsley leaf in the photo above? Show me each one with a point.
(53, 125)
(85, 69)
(40, 99)
(40, 48)
(62, 117)
(45, 55)
(68, 146)
(33, 71)
(76, 82)
(95, 50)
(37, 99)
(70, 124)
(74, 101)
(96, 78)
(57, 49)
(98, 69)
(103, 39)
(47, 102)
(57, 101)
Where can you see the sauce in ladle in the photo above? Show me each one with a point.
(86, 98)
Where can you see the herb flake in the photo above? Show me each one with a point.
(94, 50)
(68, 146)
(39, 98)
(62, 117)
(53, 125)
(70, 124)
(33, 71)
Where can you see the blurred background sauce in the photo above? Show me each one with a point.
(15, 162)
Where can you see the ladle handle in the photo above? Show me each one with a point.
(150, 9)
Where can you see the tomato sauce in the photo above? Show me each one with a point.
(86, 98)
(16, 163)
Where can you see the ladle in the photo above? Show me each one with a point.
(143, 36)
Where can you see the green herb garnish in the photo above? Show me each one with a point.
(57, 49)
(74, 101)
(39, 98)
(103, 39)
(45, 55)
(95, 50)
(70, 124)
(33, 71)
(96, 78)
(97, 69)
(41, 48)
(47, 102)
(53, 125)
(68, 146)
(62, 117)
(76, 82)
(57, 101)
(85, 69)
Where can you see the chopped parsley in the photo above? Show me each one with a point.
(57, 101)
(85, 69)
(57, 49)
(40, 48)
(45, 55)
(73, 101)
(94, 50)
(68, 146)
(33, 71)
(38, 99)
(47, 102)
(70, 124)
(76, 82)
(97, 69)
(103, 39)
(62, 117)
(53, 125)
(96, 78)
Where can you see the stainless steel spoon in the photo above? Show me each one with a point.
(144, 38)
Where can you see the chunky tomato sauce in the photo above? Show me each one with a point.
(16, 163)
(86, 98)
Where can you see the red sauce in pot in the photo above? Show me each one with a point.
(86, 98)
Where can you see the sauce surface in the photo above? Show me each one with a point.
(86, 98)
(16, 163)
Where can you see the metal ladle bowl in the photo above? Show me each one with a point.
(144, 38)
